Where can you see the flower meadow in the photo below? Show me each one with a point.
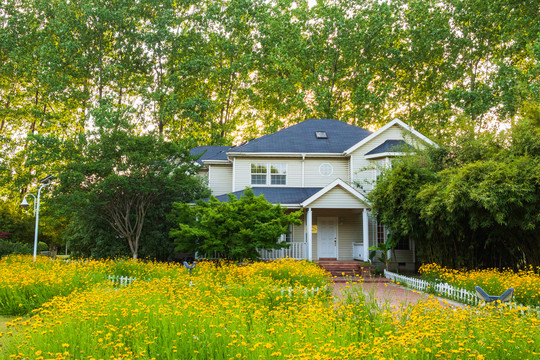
(526, 282)
(25, 285)
(283, 310)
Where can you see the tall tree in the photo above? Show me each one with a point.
(474, 205)
(218, 71)
(121, 178)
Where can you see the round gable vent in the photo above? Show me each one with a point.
(326, 169)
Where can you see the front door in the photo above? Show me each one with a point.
(327, 237)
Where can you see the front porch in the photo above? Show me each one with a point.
(336, 225)
(329, 234)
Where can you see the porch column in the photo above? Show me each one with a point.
(309, 222)
(365, 230)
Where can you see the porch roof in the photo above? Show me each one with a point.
(210, 153)
(337, 195)
(391, 146)
(278, 195)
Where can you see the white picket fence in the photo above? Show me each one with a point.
(121, 280)
(459, 294)
(306, 292)
(440, 289)
(289, 292)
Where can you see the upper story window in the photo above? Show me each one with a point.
(380, 166)
(258, 174)
(272, 174)
(278, 174)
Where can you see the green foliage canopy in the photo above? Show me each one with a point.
(215, 72)
(465, 207)
(118, 182)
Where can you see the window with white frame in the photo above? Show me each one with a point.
(272, 174)
(381, 233)
(382, 237)
(403, 244)
(278, 174)
(258, 174)
(380, 166)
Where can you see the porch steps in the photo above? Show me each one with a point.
(364, 280)
(347, 268)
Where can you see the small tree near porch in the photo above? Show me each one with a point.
(233, 229)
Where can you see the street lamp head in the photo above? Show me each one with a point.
(47, 180)
(24, 203)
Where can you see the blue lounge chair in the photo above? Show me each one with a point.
(505, 297)
(190, 267)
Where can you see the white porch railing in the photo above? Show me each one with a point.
(296, 250)
(358, 251)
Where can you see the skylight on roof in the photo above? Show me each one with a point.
(321, 135)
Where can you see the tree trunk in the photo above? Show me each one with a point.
(100, 77)
(118, 215)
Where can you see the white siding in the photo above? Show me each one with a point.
(350, 231)
(298, 233)
(402, 256)
(220, 179)
(364, 169)
(338, 198)
(203, 174)
(313, 177)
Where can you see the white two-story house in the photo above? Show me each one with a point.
(323, 167)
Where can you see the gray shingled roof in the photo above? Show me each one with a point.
(300, 138)
(210, 152)
(278, 195)
(391, 146)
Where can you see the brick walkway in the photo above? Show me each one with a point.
(389, 293)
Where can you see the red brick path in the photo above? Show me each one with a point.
(389, 293)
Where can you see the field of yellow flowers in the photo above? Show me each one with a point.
(280, 310)
(526, 282)
(25, 285)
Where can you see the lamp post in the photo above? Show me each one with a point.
(44, 182)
